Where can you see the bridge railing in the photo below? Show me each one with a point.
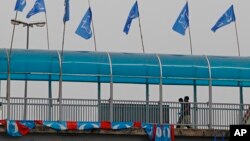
(123, 111)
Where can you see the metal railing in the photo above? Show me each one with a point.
(223, 114)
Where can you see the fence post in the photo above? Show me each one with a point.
(60, 87)
(241, 105)
(147, 102)
(111, 88)
(8, 86)
(210, 94)
(160, 90)
(195, 104)
(99, 98)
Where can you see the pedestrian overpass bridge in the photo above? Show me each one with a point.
(129, 68)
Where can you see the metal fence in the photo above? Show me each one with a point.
(223, 115)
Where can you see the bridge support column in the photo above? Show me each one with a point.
(50, 97)
(210, 94)
(147, 103)
(241, 105)
(195, 105)
(8, 86)
(99, 98)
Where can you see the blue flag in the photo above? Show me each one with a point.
(84, 28)
(66, 14)
(134, 13)
(38, 7)
(182, 22)
(225, 19)
(20, 4)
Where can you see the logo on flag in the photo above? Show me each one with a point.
(182, 22)
(225, 19)
(38, 7)
(20, 5)
(134, 13)
(84, 28)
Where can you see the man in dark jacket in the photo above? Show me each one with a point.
(186, 112)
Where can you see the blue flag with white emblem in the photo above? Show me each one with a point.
(225, 19)
(134, 13)
(38, 7)
(182, 22)
(66, 14)
(20, 4)
(84, 28)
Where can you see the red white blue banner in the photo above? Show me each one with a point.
(155, 132)
(19, 128)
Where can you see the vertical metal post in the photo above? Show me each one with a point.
(111, 88)
(47, 27)
(13, 34)
(26, 82)
(147, 102)
(8, 86)
(99, 98)
(64, 28)
(28, 35)
(142, 42)
(93, 27)
(237, 37)
(241, 105)
(60, 88)
(210, 94)
(50, 97)
(195, 104)
(160, 91)
(190, 40)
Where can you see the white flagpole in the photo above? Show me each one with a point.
(11, 44)
(237, 37)
(92, 24)
(189, 31)
(190, 40)
(142, 42)
(64, 28)
(47, 27)
(13, 33)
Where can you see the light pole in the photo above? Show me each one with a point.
(28, 25)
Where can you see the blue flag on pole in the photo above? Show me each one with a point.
(66, 14)
(38, 7)
(225, 19)
(134, 13)
(20, 4)
(182, 22)
(84, 28)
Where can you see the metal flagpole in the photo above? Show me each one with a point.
(64, 27)
(238, 44)
(190, 41)
(143, 49)
(13, 33)
(189, 32)
(47, 26)
(92, 24)
(64, 30)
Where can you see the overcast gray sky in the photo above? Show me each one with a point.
(109, 16)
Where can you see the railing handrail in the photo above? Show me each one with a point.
(37, 98)
(124, 110)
